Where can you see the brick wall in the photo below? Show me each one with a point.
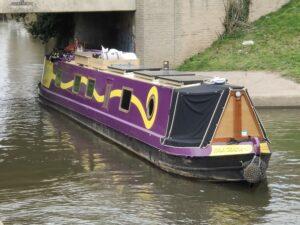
(197, 24)
(155, 33)
(174, 30)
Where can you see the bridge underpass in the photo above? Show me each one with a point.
(96, 22)
(55, 6)
(156, 30)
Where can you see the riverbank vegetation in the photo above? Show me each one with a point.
(275, 46)
(44, 26)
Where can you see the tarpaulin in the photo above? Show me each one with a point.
(194, 115)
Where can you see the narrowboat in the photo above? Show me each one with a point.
(182, 123)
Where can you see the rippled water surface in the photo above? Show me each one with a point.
(52, 171)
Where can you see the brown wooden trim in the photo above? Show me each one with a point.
(221, 117)
(221, 140)
(237, 116)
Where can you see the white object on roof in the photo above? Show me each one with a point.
(249, 42)
(114, 54)
(218, 80)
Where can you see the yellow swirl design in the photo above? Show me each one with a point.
(135, 100)
(98, 98)
(49, 75)
(84, 80)
(66, 85)
(115, 93)
(148, 122)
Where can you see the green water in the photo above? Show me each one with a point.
(52, 171)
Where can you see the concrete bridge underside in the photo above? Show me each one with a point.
(55, 6)
(156, 30)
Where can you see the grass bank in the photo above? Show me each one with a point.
(276, 46)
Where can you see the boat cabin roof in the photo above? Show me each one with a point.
(171, 76)
(184, 80)
(163, 72)
(164, 77)
(131, 68)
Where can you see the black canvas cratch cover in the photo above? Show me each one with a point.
(195, 113)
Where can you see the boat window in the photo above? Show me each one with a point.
(90, 88)
(77, 81)
(150, 108)
(58, 78)
(107, 93)
(125, 100)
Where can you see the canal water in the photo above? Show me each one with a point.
(53, 171)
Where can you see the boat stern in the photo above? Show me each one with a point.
(240, 132)
(244, 161)
(219, 127)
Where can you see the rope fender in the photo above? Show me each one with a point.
(255, 169)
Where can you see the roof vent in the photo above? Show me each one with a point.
(166, 65)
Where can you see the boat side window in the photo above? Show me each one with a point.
(150, 108)
(125, 100)
(90, 88)
(77, 81)
(58, 78)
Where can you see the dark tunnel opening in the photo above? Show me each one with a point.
(110, 29)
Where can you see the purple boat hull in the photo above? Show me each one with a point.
(220, 168)
(135, 131)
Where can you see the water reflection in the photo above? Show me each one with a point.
(53, 171)
(107, 182)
